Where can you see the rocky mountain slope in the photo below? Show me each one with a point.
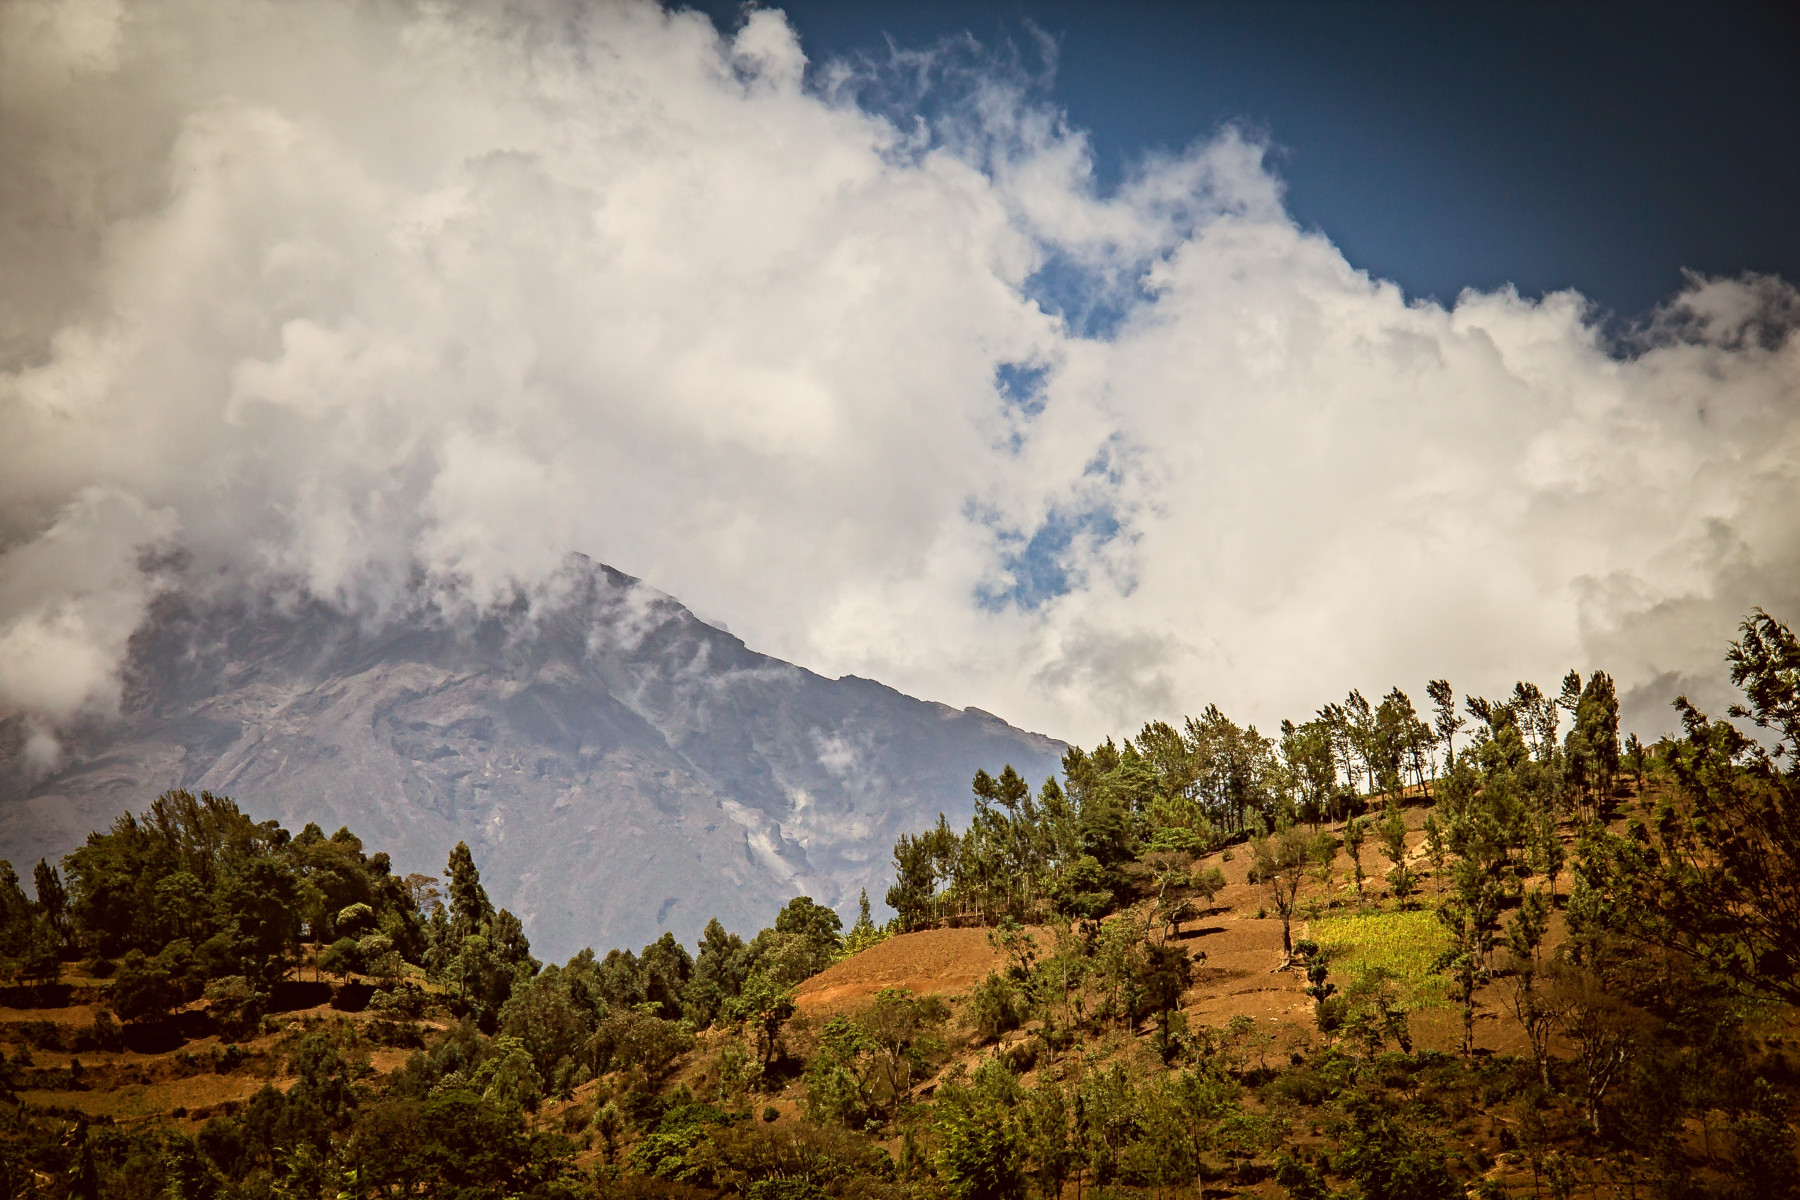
(619, 766)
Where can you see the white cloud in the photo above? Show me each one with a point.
(317, 293)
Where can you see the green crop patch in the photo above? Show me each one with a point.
(1406, 944)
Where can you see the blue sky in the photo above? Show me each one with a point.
(1600, 147)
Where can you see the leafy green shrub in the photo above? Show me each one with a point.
(994, 1007)
(46, 1035)
(1085, 889)
(401, 1035)
(149, 989)
(786, 1189)
(1181, 839)
(354, 919)
(664, 1152)
(631, 1039)
(403, 1002)
(1303, 1181)
(1298, 1085)
(342, 957)
(235, 1005)
(983, 1154)
(231, 1058)
(1024, 1056)
(1391, 1161)
(739, 1156)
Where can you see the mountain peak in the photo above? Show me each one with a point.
(618, 765)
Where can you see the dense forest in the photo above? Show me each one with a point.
(1504, 953)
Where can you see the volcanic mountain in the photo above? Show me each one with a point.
(618, 766)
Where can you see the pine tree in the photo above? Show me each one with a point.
(470, 908)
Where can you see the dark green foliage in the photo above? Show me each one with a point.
(632, 1038)
(1303, 1181)
(982, 1154)
(1592, 747)
(29, 940)
(792, 1158)
(994, 1007)
(466, 1146)
(470, 908)
(342, 957)
(1085, 888)
(148, 989)
(1715, 872)
(193, 891)
(1391, 1160)
(664, 1152)
(1162, 975)
(914, 883)
(786, 1189)
(866, 1064)
(720, 968)
(816, 924)
(480, 953)
(1762, 1146)
(552, 1016)
(665, 969)
(762, 1007)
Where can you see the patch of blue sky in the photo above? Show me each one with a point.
(1021, 385)
(1090, 303)
(1038, 567)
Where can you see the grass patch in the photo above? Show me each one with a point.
(1407, 944)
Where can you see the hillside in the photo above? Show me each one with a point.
(1190, 966)
(1240, 1008)
(619, 766)
(1235, 945)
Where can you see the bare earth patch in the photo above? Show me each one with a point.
(928, 962)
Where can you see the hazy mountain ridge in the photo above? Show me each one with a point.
(618, 765)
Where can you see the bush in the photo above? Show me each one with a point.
(983, 1153)
(343, 957)
(994, 1007)
(404, 1002)
(1302, 1181)
(1299, 1085)
(45, 1035)
(1024, 1056)
(738, 1157)
(354, 919)
(664, 1151)
(235, 1006)
(1392, 1162)
(107, 1034)
(635, 1039)
(786, 1189)
(149, 989)
(1181, 839)
(401, 1035)
(1085, 889)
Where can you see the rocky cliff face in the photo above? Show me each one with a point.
(618, 766)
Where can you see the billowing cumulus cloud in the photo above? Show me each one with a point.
(334, 297)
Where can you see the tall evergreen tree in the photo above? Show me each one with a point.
(470, 907)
